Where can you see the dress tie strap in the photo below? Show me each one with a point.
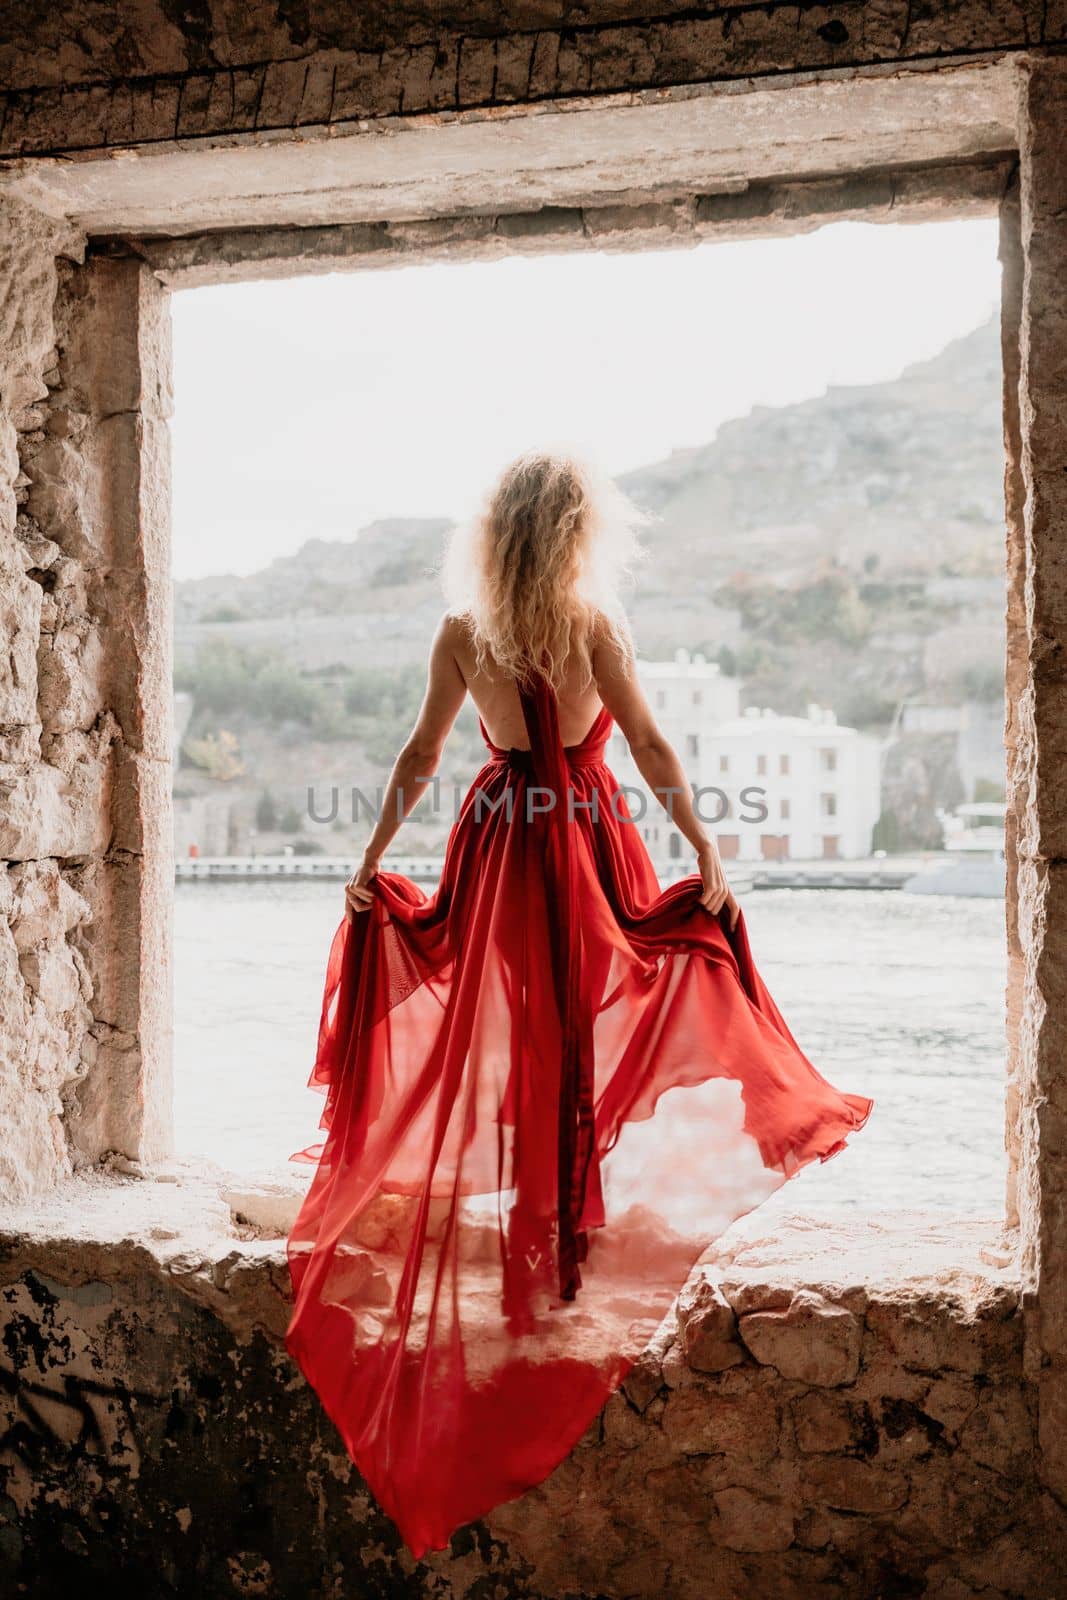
(576, 1140)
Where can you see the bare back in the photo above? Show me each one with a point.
(454, 673)
(497, 699)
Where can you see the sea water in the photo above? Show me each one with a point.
(896, 996)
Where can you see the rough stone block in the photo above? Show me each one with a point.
(708, 1329)
(283, 90)
(54, 977)
(514, 67)
(823, 1422)
(353, 87)
(45, 811)
(102, 1112)
(113, 331)
(705, 1420)
(999, 1432)
(73, 674)
(42, 906)
(845, 1483)
(61, 496)
(980, 1333)
(644, 1381)
(20, 626)
(747, 1522)
(134, 612)
(140, 804)
(154, 111)
(316, 99)
(950, 1400)
(124, 912)
(810, 1341)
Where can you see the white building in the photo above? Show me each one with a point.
(688, 696)
(798, 787)
(770, 787)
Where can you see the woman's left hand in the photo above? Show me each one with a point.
(716, 893)
(358, 895)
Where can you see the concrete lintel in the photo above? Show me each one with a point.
(625, 150)
(755, 211)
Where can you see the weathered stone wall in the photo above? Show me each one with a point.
(1040, 760)
(49, 788)
(870, 1434)
(77, 81)
(84, 708)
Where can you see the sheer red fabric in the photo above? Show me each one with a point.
(550, 1086)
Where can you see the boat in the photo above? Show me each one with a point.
(973, 865)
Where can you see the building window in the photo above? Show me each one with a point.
(774, 846)
(828, 760)
(661, 699)
(829, 805)
(783, 765)
(698, 697)
(724, 763)
(761, 765)
(692, 744)
(783, 810)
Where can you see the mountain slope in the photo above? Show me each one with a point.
(851, 540)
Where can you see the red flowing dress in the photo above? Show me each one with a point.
(550, 1086)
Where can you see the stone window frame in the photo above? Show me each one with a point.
(991, 190)
(86, 399)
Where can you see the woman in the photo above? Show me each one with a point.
(504, 1207)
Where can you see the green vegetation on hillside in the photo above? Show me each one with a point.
(250, 687)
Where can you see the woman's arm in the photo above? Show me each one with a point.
(621, 692)
(418, 760)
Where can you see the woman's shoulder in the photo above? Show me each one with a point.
(611, 639)
(455, 633)
(454, 625)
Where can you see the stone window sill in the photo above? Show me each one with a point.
(222, 1240)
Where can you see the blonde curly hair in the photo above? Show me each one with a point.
(538, 570)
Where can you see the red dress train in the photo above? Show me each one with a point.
(550, 1086)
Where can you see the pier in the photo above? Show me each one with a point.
(869, 873)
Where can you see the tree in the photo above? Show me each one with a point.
(266, 813)
(886, 835)
(218, 755)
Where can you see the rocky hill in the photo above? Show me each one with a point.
(855, 539)
(848, 549)
(887, 495)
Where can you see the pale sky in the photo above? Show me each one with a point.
(310, 407)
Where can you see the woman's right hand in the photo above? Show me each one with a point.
(358, 896)
(716, 894)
